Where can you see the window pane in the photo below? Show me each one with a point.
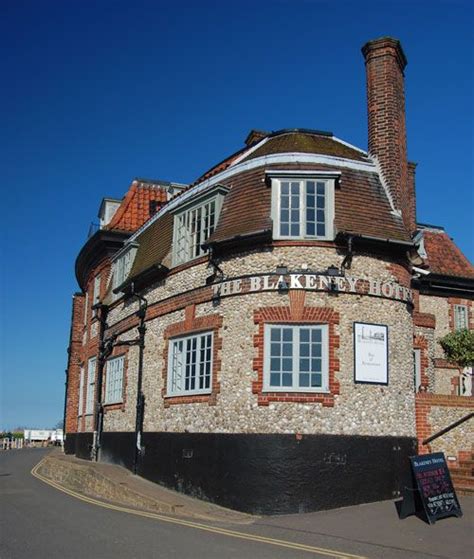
(275, 334)
(315, 365)
(285, 188)
(275, 350)
(321, 230)
(316, 380)
(310, 187)
(286, 379)
(295, 230)
(275, 364)
(295, 188)
(316, 335)
(320, 188)
(287, 364)
(304, 365)
(274, 379)
(304, 379)
(287, 334)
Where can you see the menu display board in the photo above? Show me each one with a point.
(435, 487)
(370, 353)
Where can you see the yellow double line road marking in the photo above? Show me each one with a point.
(197, 526)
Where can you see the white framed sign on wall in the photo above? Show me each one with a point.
(370, 353)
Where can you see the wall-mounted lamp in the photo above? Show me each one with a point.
(216, 298)
(283, 286)
(333, 271)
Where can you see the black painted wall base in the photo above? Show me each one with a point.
(118, 448)
(79, 444)
(270, 474)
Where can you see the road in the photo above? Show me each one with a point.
(37, 521)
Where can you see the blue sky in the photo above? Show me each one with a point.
(97, 93)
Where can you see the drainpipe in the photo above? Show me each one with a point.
(346, 263)
(140, 406)
(104, 351)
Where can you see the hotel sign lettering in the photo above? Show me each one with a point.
(313, 282)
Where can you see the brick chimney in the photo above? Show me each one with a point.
(385, 62)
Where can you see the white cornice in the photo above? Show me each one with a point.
(272, 159)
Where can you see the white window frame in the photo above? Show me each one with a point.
(114, 377)
(122, 266)
(417, 368)
(90, 392)
(80, 409)
(302, 178)
(182, 234)
(177, 363)
(295, 356)
(461, 317)
(86, 307)
(96, 293)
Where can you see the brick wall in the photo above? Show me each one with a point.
(385, 63)
(437, 411)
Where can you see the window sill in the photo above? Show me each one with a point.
(289, 392)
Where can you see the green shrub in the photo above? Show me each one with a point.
(458, 347)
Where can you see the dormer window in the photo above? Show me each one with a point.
(194, 224)
(123, 265)
(303, 204)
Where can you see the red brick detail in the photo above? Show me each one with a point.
(421, 343)
(416, 300)
(470, 315)
(291, 315)
(401, 273)
(116, 352)
(423, 319)
(440, 363)
(424, 401)
(74, 363)
(190, 325)
(297, 299)
(385, 63)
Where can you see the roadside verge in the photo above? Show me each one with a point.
(117, 485)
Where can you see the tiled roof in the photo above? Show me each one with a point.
(306, 142)
(135, 207)
(443, 255)
(154, 244)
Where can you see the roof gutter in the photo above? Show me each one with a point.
(410, 244)
(129, 282)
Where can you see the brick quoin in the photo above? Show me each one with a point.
(385, 63)
(190, 325)
(296, 313)
(421, 343)
(74, 363)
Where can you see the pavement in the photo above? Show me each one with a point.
(107, 510)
